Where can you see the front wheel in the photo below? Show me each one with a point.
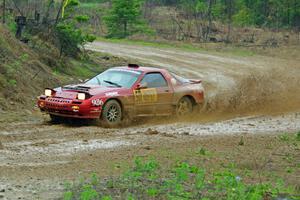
(111, 114)
(184, 107)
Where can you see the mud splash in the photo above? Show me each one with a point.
(236, 85)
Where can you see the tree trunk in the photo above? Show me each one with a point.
(59, 11)
(296, 18)
(125, 29)
(229, 10)
(46, 17)
(3, 14)
(19, 10)
(266, 8)
(209, 20)
(288, 14)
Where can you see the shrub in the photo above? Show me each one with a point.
(69, 37)
(124, 19)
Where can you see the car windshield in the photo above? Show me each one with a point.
(116, 78)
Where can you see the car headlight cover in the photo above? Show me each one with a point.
(81, 96)
(48, 92)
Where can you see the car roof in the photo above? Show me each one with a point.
(141, 69)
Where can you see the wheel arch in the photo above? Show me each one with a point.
(191, 98)
(116, 99)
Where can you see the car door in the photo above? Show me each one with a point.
(156, 97)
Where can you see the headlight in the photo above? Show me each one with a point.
(81, 96)
(48, 92)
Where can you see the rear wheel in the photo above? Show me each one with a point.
(111, 114)
(184, 107)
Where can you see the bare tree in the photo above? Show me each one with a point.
(229, 14)
(59, 11)
(209, 13)
(3, 12)
(17, 7)
(47, 13)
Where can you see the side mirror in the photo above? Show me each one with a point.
(141, 86)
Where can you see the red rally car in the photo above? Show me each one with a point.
(124, 92)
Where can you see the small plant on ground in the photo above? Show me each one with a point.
(284, 137)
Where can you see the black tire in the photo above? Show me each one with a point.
(111, 114)
(184, 107)
(56, 119)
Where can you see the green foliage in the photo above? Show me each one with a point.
(218, 10)
(284, 137)
(201, 6)
(68, 195)
(106, 198)
(124, 18)
(70, 38)
(263, 13)
(68, 4)
(243, 17)
(12, 82)
(298, 136)
(88, 193)
(82, 18)
(146, 180)
(24, 57)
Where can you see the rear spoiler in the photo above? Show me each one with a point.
(194, 81)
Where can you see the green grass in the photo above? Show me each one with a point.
(192, 47)
(82, 71)
(152, 44)
(289, 138)
(146, 180)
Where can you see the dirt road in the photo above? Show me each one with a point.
(245, 96)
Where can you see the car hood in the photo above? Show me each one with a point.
(70, 91)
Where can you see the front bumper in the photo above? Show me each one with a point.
(68, 108)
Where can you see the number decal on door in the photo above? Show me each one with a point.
(145, 95)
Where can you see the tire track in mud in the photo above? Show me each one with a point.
(57, 144)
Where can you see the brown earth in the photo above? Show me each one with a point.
(254, 98)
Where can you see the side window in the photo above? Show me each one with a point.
(155, 80)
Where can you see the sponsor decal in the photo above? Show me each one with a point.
(97, 102)
(145, 96)
(111, 94)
